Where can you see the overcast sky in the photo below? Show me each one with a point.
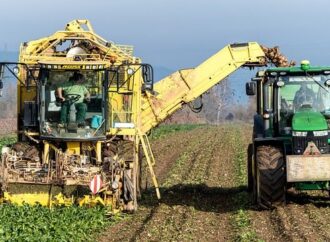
(179, 33)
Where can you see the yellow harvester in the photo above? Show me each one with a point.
(99, 161)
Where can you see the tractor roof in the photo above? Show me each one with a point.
(298, 69)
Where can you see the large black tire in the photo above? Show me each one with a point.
(270, 177)
(250, 167)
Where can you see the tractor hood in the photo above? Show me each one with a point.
(308, 119)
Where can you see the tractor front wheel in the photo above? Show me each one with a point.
(270, 179)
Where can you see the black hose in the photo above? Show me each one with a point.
(194, 108)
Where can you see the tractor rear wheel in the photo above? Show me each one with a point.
(270, 178)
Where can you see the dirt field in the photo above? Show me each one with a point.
(8, 125)
(202, 175)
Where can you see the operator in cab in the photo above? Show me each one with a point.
(304, 96)
(73, 93)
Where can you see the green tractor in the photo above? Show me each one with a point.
(291, 139)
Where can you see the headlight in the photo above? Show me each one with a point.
(299, 133)
(266, 116)
(320, 133)
(16, 70)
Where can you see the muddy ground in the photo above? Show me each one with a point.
(202, 173)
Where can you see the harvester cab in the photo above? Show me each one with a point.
(291, 132)
(81, 113)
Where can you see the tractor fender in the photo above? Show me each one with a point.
(272, 141)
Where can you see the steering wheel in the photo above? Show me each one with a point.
(72, 98)
(284, 104)
(285, 108)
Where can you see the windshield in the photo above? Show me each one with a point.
(304, 92)
(73, 104)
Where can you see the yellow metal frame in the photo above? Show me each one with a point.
(42, 51)
(47, 200)
(149, 158)
(186, 85)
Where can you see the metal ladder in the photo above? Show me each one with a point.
(150, 159)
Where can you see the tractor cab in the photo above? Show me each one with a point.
(72, 101)
(292, 100)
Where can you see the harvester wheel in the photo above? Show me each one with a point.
(124, 151)
(270, 177)
(250, 167)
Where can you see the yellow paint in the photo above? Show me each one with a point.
(73, 148)
(41, 49)
(186, 85)
(46, 153)
(45, 199)
(98, 151)
(150, 159)
(91, 201)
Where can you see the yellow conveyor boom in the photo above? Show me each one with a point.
(183, 86)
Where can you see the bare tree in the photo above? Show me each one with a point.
(217, 101)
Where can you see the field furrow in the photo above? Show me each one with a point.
(202, 173)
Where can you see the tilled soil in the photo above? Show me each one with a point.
(202, 173)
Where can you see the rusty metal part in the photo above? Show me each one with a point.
(27, 151)
(275, 57)
(63, 169)
(19, 166)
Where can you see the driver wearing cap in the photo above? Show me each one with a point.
(75, 91)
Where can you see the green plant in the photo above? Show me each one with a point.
(7, 140)
(36, 223)
(164, 130)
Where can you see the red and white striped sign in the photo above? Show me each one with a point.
(96, 184)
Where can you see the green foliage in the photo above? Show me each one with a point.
(7, 140)
(164, 130)
(36, 223)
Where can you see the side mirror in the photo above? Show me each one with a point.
(148, 78)
(250, 88)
